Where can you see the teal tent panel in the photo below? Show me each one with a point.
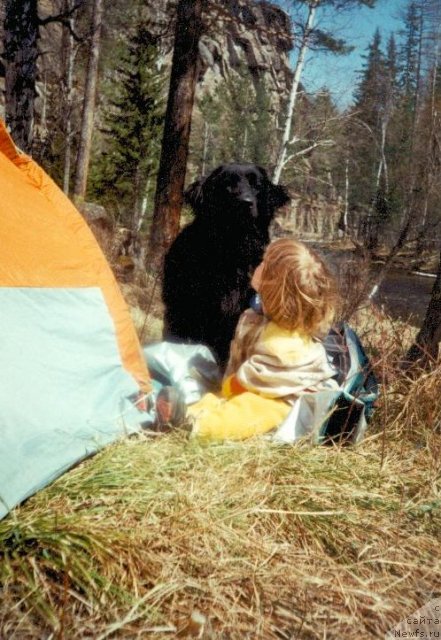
(64, 392)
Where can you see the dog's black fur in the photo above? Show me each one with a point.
(207, 270)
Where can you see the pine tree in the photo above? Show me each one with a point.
(205, 145)
(409, 80)
(410, 53)
(262, 135)
(177, 129)
(369, 96)
(88, 110)
(309, 37)
(238, 123)
(123, 175)
(367, 133)
(414, 136)
(238, 99)
(404, 129)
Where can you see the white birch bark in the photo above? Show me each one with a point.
(281, 158)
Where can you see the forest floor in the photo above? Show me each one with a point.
(170, 537)
(160, 537)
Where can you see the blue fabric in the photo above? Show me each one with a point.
(341, 415)
(64, 392)
(192, 368)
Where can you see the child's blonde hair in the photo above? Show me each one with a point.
(297, 290)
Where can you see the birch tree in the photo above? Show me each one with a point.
(425, 349)
(310, 37)
(417, 164)
(128, 158)
(298, 70)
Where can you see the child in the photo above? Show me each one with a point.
(276, 354)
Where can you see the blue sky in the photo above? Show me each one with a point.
(339, 73)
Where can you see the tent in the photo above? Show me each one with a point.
(70, 361)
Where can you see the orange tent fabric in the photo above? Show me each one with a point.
(66, 253)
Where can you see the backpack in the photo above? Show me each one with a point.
(336, 415)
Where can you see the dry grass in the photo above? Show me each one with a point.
(254, 540)
(168, 537)
(145, 306)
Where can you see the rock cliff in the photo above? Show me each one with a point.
(238, 33)
(254, 34)
(251, 33)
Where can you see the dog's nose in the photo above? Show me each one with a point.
(244, 194)
(246, 198)
(248, 204)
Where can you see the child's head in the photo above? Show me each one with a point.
(296, 288)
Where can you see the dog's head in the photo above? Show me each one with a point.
(236, 192)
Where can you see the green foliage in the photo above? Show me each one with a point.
(262, 129)
(371, 91)
(121, 175)
(324, 40)
(239, 110)
(392, 134)
(370, 143)
(238, 123)
(409, 54)
(207, 133)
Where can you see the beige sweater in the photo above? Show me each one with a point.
(275, 362)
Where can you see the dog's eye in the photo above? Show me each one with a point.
(252, 180)
(230, 183)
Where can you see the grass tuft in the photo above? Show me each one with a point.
(176, 538)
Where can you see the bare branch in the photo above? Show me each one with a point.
(64, 19)
(319, 143)
(59, 17)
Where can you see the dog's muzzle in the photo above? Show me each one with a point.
(247, 203)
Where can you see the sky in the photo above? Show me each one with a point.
(339, 73)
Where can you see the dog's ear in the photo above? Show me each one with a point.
(194, 194)
(263, 172)
(278, 195)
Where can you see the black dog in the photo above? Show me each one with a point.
(207, 270)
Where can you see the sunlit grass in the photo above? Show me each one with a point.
(264, 541)
(156, 537)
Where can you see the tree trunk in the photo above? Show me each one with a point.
(205, 149)
(177, 125)
(144, 204)
(138, 198)
(68, 54)
(83, 157)
(343, 222)
(426, 346)
(280, 162)
(424, 177)
(20, 55)
(404, 233)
